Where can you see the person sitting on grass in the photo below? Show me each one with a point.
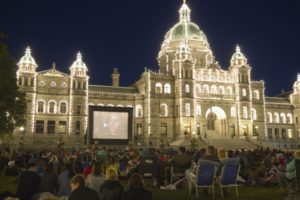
(95, 179)
(111, 189)
(137, 189)
(80, 191)
(28, 182)
(290, 172)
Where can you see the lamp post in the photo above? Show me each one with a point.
(198, 129)
(233, 131)
(205, 130)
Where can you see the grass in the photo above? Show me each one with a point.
(246, 193)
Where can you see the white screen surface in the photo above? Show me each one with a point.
(110, 125)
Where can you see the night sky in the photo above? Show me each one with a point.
(128, 34)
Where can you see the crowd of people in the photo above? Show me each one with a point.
(95, 173)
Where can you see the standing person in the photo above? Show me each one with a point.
(95, 179)
(80, 191)
(63, 180)
(28, 182)
(137, 189)
(111, 189)
(49, 182)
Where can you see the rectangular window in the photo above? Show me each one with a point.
(187, 110)
(77, 128)
(290, 133)
(283, 134)
(187, 88)
(139, 128)
(163, 128)
(62, 127)
(276, 133)
(32, 82)
(78, 108)
(51, 127)
(39, 126)
(245, 112)
(270, 133)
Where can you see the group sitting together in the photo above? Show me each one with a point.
(94, 173)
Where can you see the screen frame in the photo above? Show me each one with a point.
(92, 140)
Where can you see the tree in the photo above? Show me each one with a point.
(12, 101)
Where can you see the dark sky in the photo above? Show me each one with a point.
(128, 34)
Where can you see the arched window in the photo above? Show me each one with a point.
(213, 89)
(198, 110)
(289, 118)
(40, 106)
(283, 118)
(221, 90)
(110, 105)
(187, 88)
(254, 115)
(244, 92)
(232, 112)
(256, 94)
(63, 107)
(52, 107)
(270, 117)
(163, 110)
(197, 90)
(167, 88)
(205, 89)
(229, 90)
(158, 88)
(276, 118)
(138, 111)
(120, 106)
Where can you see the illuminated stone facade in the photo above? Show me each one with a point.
(190, 96)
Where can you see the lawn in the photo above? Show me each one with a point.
(246, 193)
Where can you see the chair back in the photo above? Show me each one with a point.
(297, 168)
(147, 166)
(229, 174)
(205, 174)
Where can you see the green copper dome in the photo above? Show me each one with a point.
(185, 29)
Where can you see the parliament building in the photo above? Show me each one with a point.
(190, 96)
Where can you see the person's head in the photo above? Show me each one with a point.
(32, 167)
(222, 154)
(210, 150)
(297, 154)
(49, 168)
(136, 181)
(182, 150)
(111, 174)
(76, 182)
(274, 161)
(96, 169)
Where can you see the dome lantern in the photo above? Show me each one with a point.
(27, 62)
(78, 68)
(238, 58)
(297, 85)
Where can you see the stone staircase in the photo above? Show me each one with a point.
(228, 143)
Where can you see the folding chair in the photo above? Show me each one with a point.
(205, 177)
(177, 171)
(296, 180)
(229, 177)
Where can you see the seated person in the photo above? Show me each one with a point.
(111, 189)
(137, 189)
(290, 171)
(181, 161)
(80, 191)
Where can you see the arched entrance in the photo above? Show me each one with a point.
(215, 122)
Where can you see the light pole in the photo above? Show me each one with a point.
(233, 131)
(205, 130)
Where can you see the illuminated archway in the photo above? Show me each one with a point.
(219, 112)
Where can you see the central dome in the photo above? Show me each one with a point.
(185, 29)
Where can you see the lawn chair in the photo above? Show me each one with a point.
(229, 177)
(177, 171)
(296, 180)
(205, 176)
(146, 167)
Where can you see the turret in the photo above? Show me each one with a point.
(115, 78)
